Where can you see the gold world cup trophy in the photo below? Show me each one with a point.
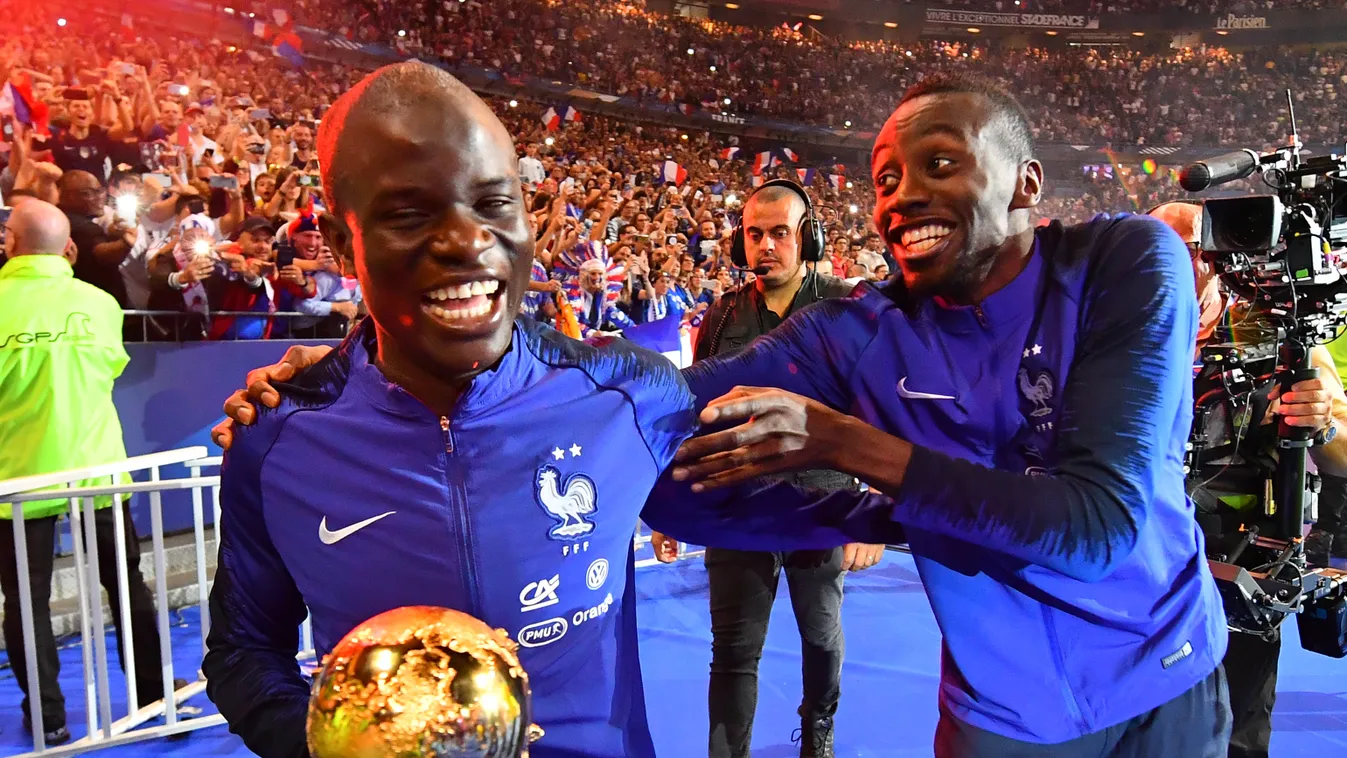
(421, 682)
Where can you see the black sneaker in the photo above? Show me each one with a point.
(815, 737)
(57, 736)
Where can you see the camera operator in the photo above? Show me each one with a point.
(1233, 499)
(779, 234)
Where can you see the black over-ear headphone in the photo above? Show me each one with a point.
(811, 229)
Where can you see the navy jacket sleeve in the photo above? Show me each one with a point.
(255, 610)
(800, 357)
(1128, 385)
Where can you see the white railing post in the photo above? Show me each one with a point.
(199, 536)
(161, 600)
(124, 594)
(99, 634)
(86, 633)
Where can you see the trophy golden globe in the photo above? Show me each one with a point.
(421, 682)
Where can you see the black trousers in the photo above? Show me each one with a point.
(41, 539)
(1328, 538)
(743, 588)
(1195, 724)
(1251, 665)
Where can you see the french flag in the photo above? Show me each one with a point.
(674, 173)
(762, 161)
(289, 46)
(806, 176)
(551, 119)
(728, 153)
(571, 115)
(790, 154)
(837, 181)
(17, 101)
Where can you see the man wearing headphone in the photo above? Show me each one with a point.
(779, 235)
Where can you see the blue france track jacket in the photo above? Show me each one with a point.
(1044, 501)
(352, 498)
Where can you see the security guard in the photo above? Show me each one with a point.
(60, 352)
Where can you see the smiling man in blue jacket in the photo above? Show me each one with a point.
(1023, 397)
(435, 457)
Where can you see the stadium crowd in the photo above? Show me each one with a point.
(1201, 96)
(189, 172)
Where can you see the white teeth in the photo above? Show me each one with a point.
(464, 291)
(454, 314)
(915, 235)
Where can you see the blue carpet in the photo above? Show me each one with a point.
(888, 685)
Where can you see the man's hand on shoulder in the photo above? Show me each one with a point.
(240, 405)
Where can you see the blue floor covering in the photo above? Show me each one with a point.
(888, 684)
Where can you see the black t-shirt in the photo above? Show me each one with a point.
(87, 234)
(88, 154)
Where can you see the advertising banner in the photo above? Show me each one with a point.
(957, 17)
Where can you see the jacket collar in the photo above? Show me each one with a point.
(37, 267)
(488, 389)
(1007, 306)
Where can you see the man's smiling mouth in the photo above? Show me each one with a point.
(465, 304)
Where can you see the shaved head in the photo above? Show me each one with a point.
(36, 228)
(1183, 217)
(391, 90)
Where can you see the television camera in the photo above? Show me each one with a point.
(1284, 255)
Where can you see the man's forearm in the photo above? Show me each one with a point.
(876, 458)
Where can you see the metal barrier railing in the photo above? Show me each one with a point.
(181, 326)
(103, 730)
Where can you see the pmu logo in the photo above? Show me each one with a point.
(76, 330)
(543, 632)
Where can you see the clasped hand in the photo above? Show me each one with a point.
(781, 432)
(1308, 404)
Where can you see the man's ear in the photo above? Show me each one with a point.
(1028, 185)
(71, 252)
(339, 240)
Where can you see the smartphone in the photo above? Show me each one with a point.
(259, 114)
(178, 90)
(671, 240)
(8, 127)
(307, 181)
(161, 179)
(285, 254)
(208, 152)
(126, 206)
(224, 182)
(129, 69)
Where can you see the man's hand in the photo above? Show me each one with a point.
(666, 548)
(346, 309)
(858, 557)
(292, 274)
(239, 407)
(1308, 404)
(199, 269)
(783, 432)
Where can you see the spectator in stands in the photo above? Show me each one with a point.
(60, 352)
(333, 300)
(87, 144)
(100, 252)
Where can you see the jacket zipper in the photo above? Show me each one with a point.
(981, 317)
(464, 524)
(1059, 660)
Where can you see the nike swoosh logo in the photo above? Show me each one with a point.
(329, 537)
(903, 391)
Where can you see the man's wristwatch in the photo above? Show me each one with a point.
(1327, 434)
